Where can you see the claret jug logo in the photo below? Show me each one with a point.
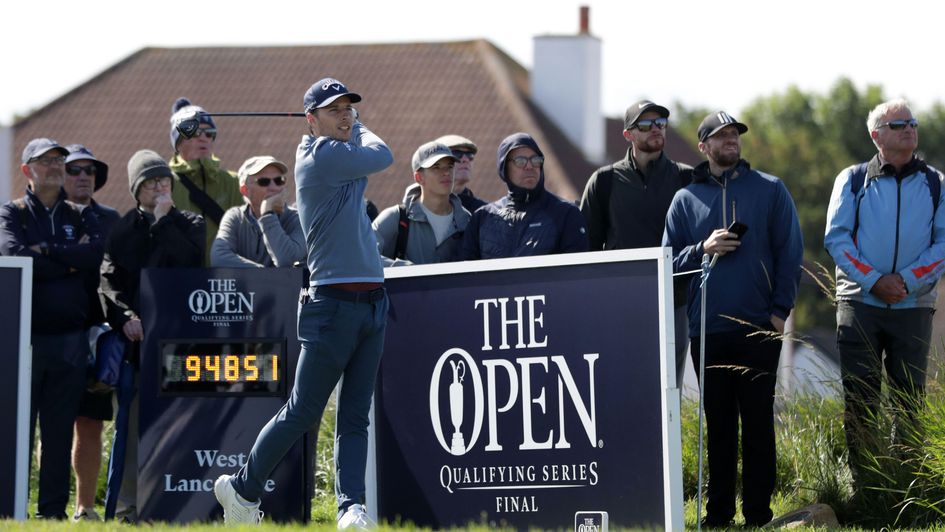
(222, 304)
(497, 385)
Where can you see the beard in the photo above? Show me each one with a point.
(651, 145)
(725, 159)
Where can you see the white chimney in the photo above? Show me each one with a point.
(566, 85)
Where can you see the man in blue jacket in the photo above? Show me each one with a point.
(752, 288)
(529, 220)
(886, 233)
(65, 243)
(343, 314)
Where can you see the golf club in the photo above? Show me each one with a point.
(188, 125)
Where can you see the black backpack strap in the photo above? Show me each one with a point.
(210, 208)
(403, 228)
(935, 186)
(857, 180)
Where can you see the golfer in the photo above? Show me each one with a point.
(342, 315)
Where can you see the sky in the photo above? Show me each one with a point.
(718, 54)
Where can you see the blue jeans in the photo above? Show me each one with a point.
(340, 340)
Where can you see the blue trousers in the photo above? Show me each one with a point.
(341, 340)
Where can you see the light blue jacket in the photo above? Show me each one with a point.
(897, 233)
(330, 178)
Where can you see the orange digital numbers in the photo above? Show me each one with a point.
(275, 368)
(231, 368)
(249, 364)
(211, 363)
(192, 362)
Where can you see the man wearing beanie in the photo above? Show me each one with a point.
(65, 244)
(342, 315)
(201, 184)
(529, 220)
(154, 234)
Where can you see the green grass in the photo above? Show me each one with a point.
(907, 483)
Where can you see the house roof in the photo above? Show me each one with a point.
(413, 93)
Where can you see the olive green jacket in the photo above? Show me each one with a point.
(221, 185)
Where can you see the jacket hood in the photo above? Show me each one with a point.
(519, 140)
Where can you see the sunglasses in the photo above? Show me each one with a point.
(210, 133)
(459, 154)
(76, 170)
(521, 161)
(896, 125)
(264, 181)
(646, 125)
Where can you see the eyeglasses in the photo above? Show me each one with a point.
(646, 125)
(76, 170)
(209, 132)
(521, 160)
(459, 154)
(896, 125)
(48, 160)
(156, 183)
(264, 181)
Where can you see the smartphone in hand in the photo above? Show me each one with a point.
(738, 228)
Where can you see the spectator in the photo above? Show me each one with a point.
(65, 243)
(625, 203)
(428, 226)
(201, 185)
(464, 150)
(343, 314)
(85, 175)
(265, 232)
(529, 220)
(751, 289)
(155, 234)
(888, 241)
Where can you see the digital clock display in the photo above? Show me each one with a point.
(223, 367)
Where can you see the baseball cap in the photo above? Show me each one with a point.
(428, 154)
(38, 147)
(458, 142)
(78, 152)
(325, 91)
(637, 109)
(715, 121)
(254, 165)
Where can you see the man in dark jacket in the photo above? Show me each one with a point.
(65, 244)
(85, 174)
(153, 234)
(751, 290)
(625, 203)
(529, 220)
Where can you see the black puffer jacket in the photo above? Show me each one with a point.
(525, 222)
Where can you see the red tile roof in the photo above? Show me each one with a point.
(412, 92)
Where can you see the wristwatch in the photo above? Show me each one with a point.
(44, 249)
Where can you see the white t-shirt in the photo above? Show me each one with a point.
(440, 223)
